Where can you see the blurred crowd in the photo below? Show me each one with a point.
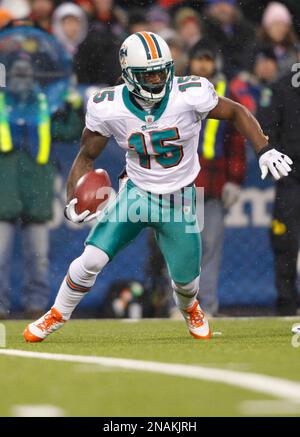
(92, 31)
(243, 47)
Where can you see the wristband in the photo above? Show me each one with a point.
(265, 149)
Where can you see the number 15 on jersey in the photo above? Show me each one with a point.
(165, 153)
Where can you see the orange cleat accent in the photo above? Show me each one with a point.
(41, 328)
(196, 321)
(49, 319)
(29, 337)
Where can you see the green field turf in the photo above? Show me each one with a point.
(257, 345)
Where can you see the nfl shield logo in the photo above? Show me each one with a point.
(149, 118)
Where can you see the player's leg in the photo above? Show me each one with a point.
(80, 278)
(180, 244)
(106, 238)
(181, 255)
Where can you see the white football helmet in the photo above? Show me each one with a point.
(141, 55)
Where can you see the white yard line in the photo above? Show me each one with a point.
(268, 385)
(39, 410)
(269, 408)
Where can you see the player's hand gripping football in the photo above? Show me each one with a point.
(277, 163)
(71, 214)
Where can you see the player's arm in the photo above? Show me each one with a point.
(92, 144)
(269, 158)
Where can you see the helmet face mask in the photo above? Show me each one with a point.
(153, 81)
(147, 78)
(140, 82)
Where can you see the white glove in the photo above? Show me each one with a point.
(71, 214)
(99, 212)
(230, 194)
(276, 163)
(92, 216)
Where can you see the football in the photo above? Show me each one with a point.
(92, 191)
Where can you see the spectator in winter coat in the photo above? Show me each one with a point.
(277, 31)
(226, 28)
(70, 26)
(188, 26)
(96, 61)
(253, 88)
(41, 13)
(27, 173)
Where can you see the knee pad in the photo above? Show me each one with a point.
(93, 260)
(189, 289)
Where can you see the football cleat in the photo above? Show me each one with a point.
(41, 328)
(196, 322)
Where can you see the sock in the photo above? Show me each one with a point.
(80, 278)
(185, 295)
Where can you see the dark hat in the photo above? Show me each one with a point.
(203, 49)
(136, 16)
(264, 52)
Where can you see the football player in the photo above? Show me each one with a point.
(157, 118)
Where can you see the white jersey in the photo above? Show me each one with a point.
(162, 144)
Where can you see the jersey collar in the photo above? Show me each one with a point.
(156, 111)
